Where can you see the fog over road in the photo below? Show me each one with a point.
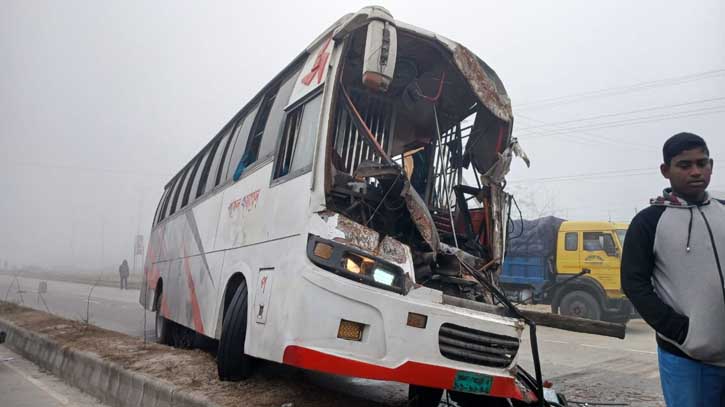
(584, 367)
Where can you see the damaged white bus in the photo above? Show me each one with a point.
(328, 225)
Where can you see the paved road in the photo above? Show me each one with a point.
(586, 367)
(107, 307)
(22, 384)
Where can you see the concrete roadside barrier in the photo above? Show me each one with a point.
(124, 371)
(107, 381)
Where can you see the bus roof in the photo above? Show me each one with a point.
(483, 80)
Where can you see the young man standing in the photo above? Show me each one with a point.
(673, 271)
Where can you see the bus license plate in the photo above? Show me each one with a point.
(472, 382)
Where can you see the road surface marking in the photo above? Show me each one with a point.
(595, 346)
(552, 341)
(641, 351)
(59, 397)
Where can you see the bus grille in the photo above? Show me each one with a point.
(477, 347)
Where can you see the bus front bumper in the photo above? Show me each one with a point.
(390, 348)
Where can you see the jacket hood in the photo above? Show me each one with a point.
(669, 199)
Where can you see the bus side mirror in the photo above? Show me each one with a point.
(381, 44)
(381, 49)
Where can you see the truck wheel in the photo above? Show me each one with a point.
(421, 396)
(162, 326)
(232, 363)
(580, 304)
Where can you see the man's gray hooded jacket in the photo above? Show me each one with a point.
(672, 271)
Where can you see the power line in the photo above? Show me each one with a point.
(637, 120)
(583, 119)
(591, 137)
(636, 87)
(592, 175)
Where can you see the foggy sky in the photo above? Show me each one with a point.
(102, 102)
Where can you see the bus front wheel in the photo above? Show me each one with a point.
(232, 363)
(162, 326)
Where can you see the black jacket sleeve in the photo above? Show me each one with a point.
(638, 261)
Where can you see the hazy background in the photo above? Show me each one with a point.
(102, 102)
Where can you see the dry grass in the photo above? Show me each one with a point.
(194, 370)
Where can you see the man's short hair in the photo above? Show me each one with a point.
(682, 142)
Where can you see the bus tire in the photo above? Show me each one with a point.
(421, 396)
(232, 363)
(580, 304)
(162, 326)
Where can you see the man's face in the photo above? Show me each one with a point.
(689, 173)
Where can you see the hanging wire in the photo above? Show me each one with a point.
(521, 219)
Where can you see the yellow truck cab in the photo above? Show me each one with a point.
(597, 247)
(544, 262)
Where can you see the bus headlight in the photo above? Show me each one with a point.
(356, 265)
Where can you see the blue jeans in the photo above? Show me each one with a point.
(686, 383)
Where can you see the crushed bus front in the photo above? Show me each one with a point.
(417, 147)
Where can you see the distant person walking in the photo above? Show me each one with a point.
(123, 274)
(673, 272)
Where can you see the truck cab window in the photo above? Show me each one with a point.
(571, 241)
(593, 241)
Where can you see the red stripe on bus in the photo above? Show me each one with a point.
(409, 372)
(195, 309)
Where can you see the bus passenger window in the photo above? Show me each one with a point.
(276, 115)
(205, 172)
(217, 161)
(298, 140)
(160, 207)
(265, 131)
(255, 137)
(189, 182)
(178, 195)
(244, 126)
(197, 178)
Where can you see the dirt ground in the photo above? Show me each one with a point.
(194, 370)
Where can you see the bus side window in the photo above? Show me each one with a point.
(205, 172)
(267, 124)
(224, 161)
(170, 202)
(276, 116)
(179, 188)
(164, 208)
(195, 185)
(216, 163)
(243, 129)
(251, 152)
(298, 140)
(190, 181)
(224, 169)
(160, 206)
